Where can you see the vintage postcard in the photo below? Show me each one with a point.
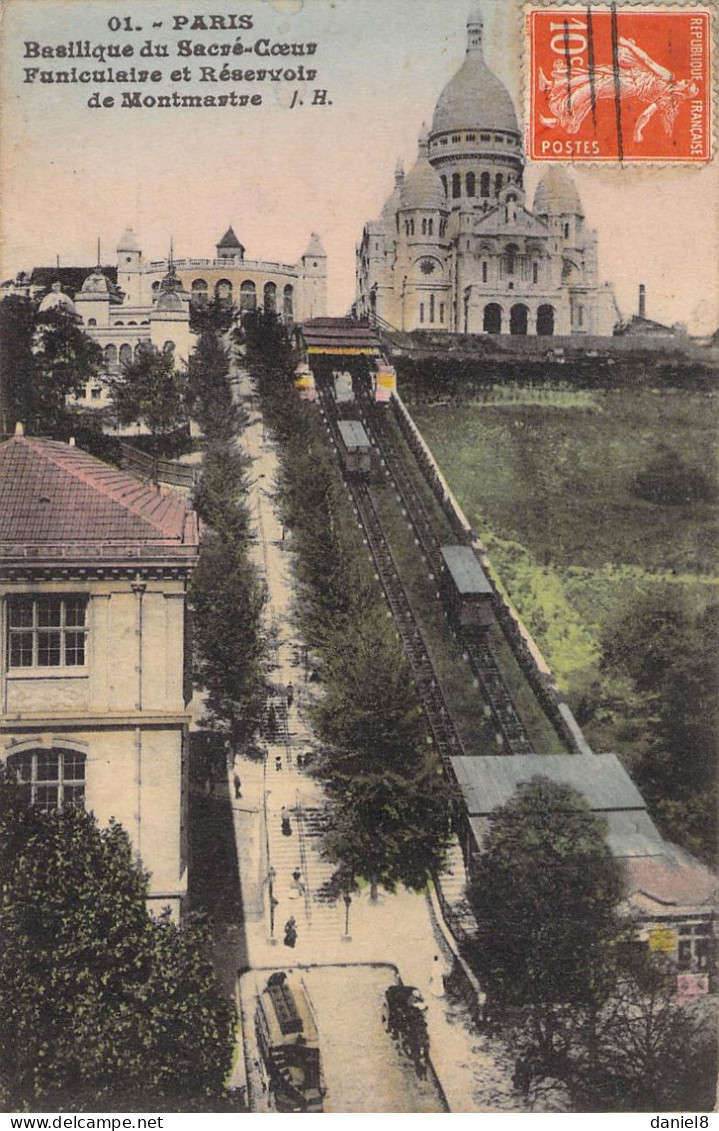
(358, 569)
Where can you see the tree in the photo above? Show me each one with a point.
(100, 1005)
(208, 389)
(218, 315)
(545, 891)
(46, 357)
(227, 601)
(669, 654)
(670, 480)
(151, 391)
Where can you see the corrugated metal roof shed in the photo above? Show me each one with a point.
(487, 783)
(353, 435)
(467, 573)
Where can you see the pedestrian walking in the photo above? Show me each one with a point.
(436, 978)
(290, 932)
(278, 762)
(238, 786)
(290, 694)
(285, 822)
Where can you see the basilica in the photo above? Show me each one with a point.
(456, 247)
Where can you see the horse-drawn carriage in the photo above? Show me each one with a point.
(404, 1017)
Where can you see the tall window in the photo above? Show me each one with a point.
(430, 227)
(471, 184)
(456, 185)
(498, 184)
(484, 271)
(52, 778)
(270, 298)
(441, 312)
(484, 184)
(431, 308)
(424, 226)
(535, 272)
(47, 632)
(248, 295)
(421, 312)
(443, 179)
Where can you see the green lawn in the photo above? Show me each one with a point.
(548, 488)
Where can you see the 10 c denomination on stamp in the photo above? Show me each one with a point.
(619, 84)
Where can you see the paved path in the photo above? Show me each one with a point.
(397, 929)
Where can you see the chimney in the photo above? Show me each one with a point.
(642, 301)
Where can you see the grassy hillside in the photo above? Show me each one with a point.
(552, 485)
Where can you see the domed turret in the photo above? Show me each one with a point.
(422, 187)
(393, 201)
(96, 284)
(56, 299)
(557, 195)
(474, 99)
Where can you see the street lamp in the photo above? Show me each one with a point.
(347, 900)
(271, 876)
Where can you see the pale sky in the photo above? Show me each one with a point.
(71, 174)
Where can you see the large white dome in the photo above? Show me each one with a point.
(474, 99)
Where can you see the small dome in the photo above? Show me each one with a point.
(422, 187)
(56, 299)
(96, 284)
(169, 300)
(557, 194)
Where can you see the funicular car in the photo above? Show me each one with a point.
(289, 1044)
(404, 1016)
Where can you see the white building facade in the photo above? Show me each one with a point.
(456, 247)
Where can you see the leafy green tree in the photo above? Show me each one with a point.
(150, 390)
(670, 480)
(215, 316)
(670, 656)
(545, 893)
(227, 600)
(46, 357)
(208, 389)
(101, 1006)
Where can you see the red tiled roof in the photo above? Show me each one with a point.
(51, 492)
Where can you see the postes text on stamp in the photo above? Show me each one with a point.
(619, 84)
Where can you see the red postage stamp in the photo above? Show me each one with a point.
(620, 84)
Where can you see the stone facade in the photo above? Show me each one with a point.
(94, 670)
(456, 247)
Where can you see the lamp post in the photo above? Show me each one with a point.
(271, 875)
(347, 900)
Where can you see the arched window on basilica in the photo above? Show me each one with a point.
(110, 357)
(443, 179)
(471, 184)
(484, 185)
(498, 182)
(50, 778)
(456, 186)
(424, 226)
(535, 271)
(431, 308)
(223, 290)
(125, 354)
(430, 227)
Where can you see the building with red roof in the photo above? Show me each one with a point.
(94, 567)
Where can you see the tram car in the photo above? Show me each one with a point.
(289, 1043)
(466, 591)
(342, 389)
(356, 449)
(304, 382)
(384, 382)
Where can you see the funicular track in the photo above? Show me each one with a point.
(444, 734)
(474, 642)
